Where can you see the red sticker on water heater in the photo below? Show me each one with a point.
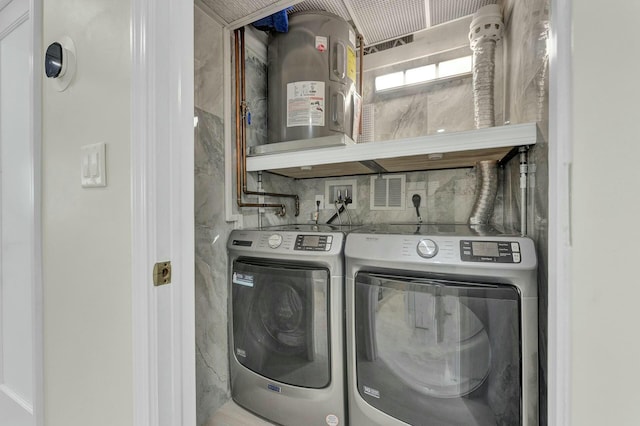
(321, 43)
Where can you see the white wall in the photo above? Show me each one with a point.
(87, 232)
(605, 212)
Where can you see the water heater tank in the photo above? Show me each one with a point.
(312, 73)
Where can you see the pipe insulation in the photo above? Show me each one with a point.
(486, 190)
(485, 32)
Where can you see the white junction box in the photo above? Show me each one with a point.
(93, 172)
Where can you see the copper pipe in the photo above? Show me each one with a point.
(241, 153)
(243, 133)
(361, 83)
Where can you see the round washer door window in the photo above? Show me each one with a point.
(279, 317)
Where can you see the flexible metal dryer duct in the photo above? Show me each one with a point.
(486, 190)
(484, 33)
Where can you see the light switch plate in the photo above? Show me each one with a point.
(93, 172)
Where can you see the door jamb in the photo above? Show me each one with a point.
(162, 179)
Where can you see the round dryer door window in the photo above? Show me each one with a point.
(439, 347)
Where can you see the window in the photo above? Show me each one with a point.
(424, 74)
(389, 81)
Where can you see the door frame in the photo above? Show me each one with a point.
(33, 16)
(160, 120)
(559, 239)
(162, 216)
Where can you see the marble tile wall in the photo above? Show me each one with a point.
(450, 197)
(211, 229)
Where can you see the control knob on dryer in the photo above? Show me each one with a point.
(275, 240)
(427, 248)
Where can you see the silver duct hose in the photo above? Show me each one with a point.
(486, 190)
(483, 72)
(485, 32)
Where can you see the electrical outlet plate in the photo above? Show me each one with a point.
(331, 188)
(321, 199)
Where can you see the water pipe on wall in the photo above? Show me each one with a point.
(524, 169)
(241, 136)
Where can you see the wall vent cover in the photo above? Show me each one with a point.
(388, 192)
(368, 123)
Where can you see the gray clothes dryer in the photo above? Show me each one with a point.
(441, 326)
(286, 329)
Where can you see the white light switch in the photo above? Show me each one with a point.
(93, 172)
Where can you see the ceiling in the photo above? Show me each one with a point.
(376, 20)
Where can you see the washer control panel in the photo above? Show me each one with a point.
(315, 242)
(490, 251)
(275, 241)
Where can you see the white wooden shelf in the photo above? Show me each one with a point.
(460, 149)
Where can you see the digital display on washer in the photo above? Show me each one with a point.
(483, 248)
(313, 242)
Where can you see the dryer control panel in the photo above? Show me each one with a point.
(490, 251)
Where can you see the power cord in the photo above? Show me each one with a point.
(416, 203)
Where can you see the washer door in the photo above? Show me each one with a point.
(280, 321)
(439, 350)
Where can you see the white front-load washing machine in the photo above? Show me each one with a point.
(441, 326)
(286, 327)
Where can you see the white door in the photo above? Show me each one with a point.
(18, 252)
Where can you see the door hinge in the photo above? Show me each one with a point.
(162, 273)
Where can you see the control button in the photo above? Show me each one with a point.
(329, 239)
(515, 247)
(516, 257)
(467, 252)
(427, 248)
(275, 240)
(327, 247)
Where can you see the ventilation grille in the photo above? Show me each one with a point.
(442, 11)
(387, 192)
(331, 6)
(381, 20)
(368, 115)
(233, 10)
(388, 44)
(377, 20)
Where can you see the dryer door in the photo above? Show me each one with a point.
(280, 321)
(435, 352)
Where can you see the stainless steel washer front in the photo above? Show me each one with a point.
(286, 347)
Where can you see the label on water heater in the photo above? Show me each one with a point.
(351, 63)
(305, 103)
(321, 43)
